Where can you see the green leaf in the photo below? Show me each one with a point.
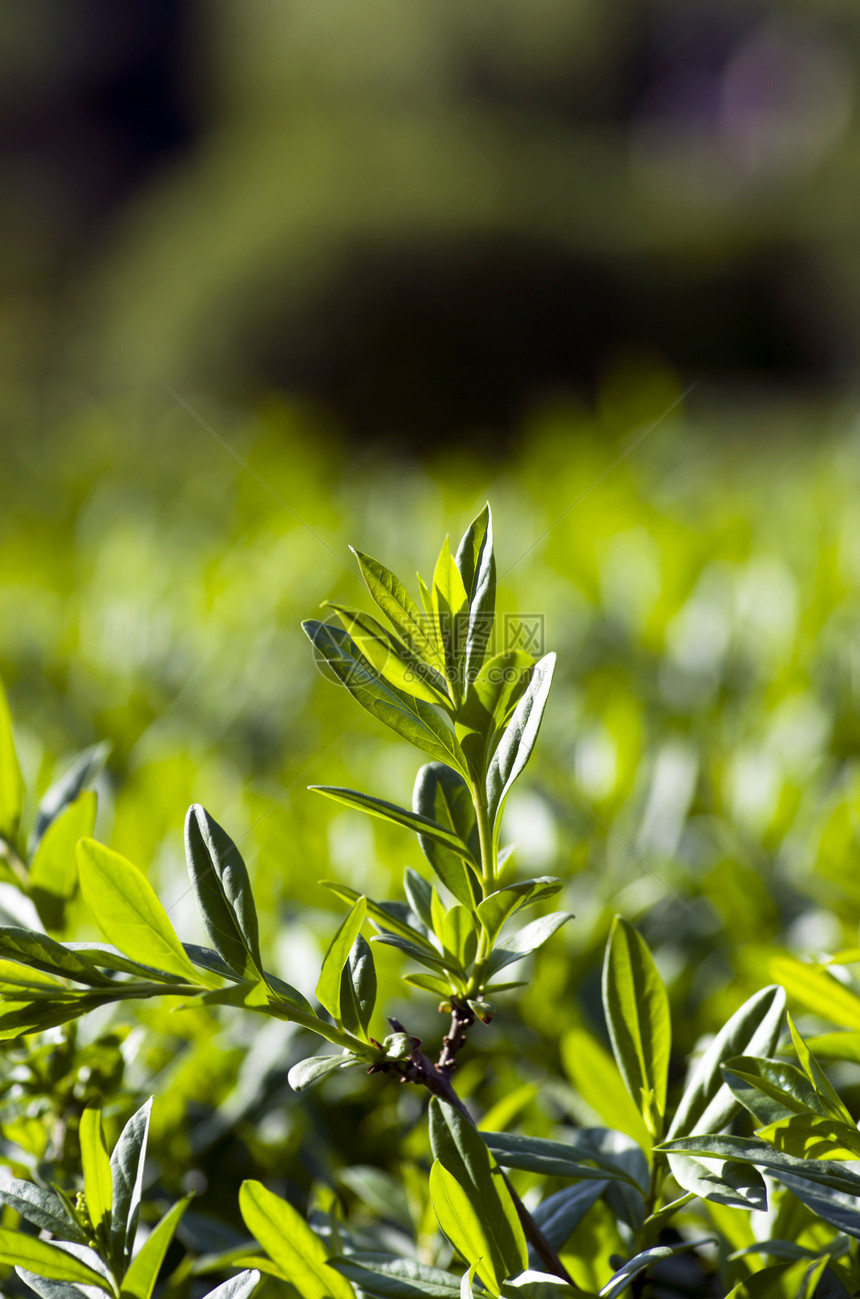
(126, 1165)
(39, 952)
(139, 1281)
(358, 988)
(387, 1276)
(461, 1223)
(838, 1208)
(429, 983)
(837, 1046)
(309, 1071)
(641, 1262)
(459, 935)
(417, 722)
(501, 905)
(52, 870)
(428, 958)
(770, 1089)
(288, 1240)
(751, 1150)
(462, 1152)
(43, 1208)
(443, 797)
(528, 939)
(123, 905)
(424, 826)
(816, 990)
(391, 659)
(829, 1099)
(520, 736)
(478, 570)
(420, 894)
(11, 780)
(708, 1103)
(811, 1136)
(594, 1075)
(450, 607)
(223, 893)
(98, 1180)
(400, 609)
(637, 1015)
(46, 1260)
(238, 1287)
(496, 689)
(579, 1160)
(81, 775)
(380, 1191)
(329, 986)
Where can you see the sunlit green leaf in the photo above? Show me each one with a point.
(442, 796)
(288, 1240)
(223, 893)
(637, 1015)
(123, 905)
(98, 1178)
(11, 781)
(47, 1260)
(520, 736)
(391, 659)
(477, 567)
(142, 1274)
(329, 985)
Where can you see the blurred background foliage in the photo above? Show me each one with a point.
(284, 277)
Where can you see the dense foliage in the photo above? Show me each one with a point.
(736, 1174)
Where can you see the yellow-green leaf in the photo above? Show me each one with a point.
(123, 905)
(11, 782)
(291, 1244)
(98, 1180)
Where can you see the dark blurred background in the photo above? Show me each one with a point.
(424, 218)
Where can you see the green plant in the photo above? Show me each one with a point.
(674, 1172)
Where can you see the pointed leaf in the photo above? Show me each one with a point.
(142, 1274)
(43, 1208)
(391, 659)
(387, 1276)
(499, 685)
(478, 570)
(640, 1262)
(579, 1160)
(291, 1244)
(428, 958)
(520, 735)
(393, 917)
(400, 609)
(637, 1015)
(307, 1072)
(442, 796)
(81, 775)
(121, 901)
(816, 990)
(126, 1164)
(52, 870)
(707, 1103)
(750, 1150)
(11, 781)
(238, 1287)
(329, 986)
(450, 608)
(98, 1181)
(358, 988)
(47, 1260)
(463, 1153)
(223, 893)
(424, 826)
(40, 952)
(462, 1224)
